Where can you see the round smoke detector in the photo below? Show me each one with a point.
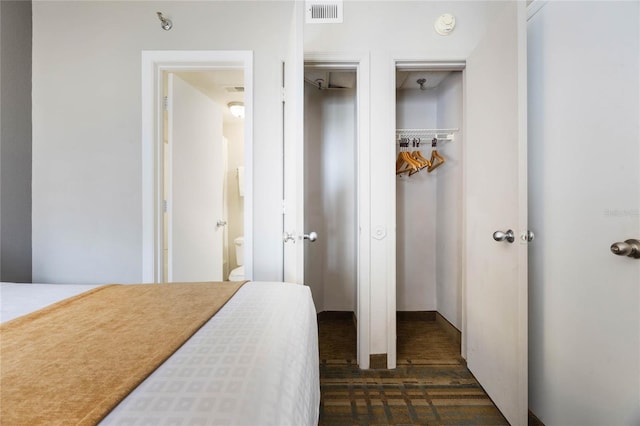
(445, 24)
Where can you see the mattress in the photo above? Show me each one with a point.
(254, 363)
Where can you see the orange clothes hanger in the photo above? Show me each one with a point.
(437, 160)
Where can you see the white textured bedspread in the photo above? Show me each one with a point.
(254, 363)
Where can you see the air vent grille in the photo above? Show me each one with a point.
(324, 11)
(234, 89)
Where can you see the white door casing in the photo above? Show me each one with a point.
(293, 150)
(495, 273)
(195, 180)
(154, 64)
(359, 62)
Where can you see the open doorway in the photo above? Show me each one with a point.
(232, 73)
(222, 93)
(336, 112)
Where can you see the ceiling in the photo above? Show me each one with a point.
(409, 79)
(223, 86)
(328, 79)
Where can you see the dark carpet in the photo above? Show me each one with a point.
(430, 386)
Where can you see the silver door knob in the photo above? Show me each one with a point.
(504, 236)
(221, 223)
(629, 248)
(311, 236)
(528, 236)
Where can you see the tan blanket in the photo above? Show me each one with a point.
(72, 362)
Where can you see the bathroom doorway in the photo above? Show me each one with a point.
(224, 80)
(222, 93)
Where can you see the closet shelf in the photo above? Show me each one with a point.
(444, 135)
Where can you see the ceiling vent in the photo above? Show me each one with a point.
(324, 11)
(234, 89)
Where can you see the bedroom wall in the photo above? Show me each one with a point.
(15, 141)
(87, 126)
(390, 30)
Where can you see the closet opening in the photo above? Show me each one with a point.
(331, 196)
(429, 171)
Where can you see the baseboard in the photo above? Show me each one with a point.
(533, 420)
(450, 329)
(335, 315)
(416, 315)
(338, 316)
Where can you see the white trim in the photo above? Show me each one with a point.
(360, 62)
(154, 63)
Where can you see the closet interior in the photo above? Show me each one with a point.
(330, 148)
(429, 143)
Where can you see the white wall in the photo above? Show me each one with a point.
(15, 141)
(387, 31)
(87, 127)
(584, 180)
(416, 211)
(448, 202)
(330, 197)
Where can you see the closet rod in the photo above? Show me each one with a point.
(440, 134)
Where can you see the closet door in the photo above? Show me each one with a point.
(495, 326)
(293, 184)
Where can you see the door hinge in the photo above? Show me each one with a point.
(284, 207)
(164, 206)
(165, 103)
(282, 94)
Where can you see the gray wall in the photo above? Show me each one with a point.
(87, 120)
(15, 141)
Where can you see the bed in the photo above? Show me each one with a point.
(255, 362)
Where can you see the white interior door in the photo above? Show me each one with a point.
(196, 173)
(293, 264)
(495, 326)
(584, 170)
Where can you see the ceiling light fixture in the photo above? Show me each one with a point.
(236, 109)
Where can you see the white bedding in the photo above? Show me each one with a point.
(254, 363)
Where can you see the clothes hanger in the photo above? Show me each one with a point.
(417, 154)
(437, 160)
(409, 165)
(402, 165)
(400, 162)
(416, 165)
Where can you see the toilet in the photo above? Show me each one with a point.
(238, 273)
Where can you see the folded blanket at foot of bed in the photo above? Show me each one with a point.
(72, 362)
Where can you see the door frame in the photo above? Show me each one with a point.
(154, 64)
(359, 62)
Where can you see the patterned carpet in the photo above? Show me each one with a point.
(431, 385)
